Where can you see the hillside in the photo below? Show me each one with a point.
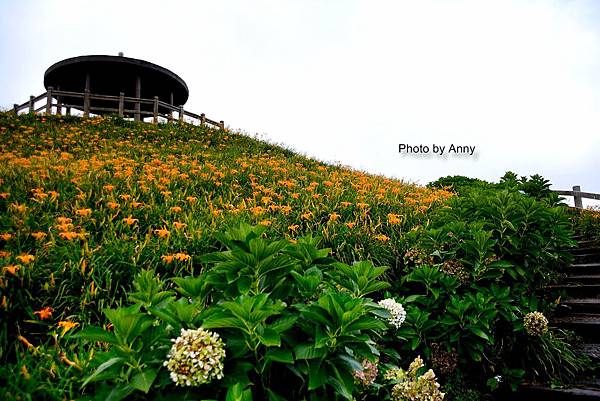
(191, 226)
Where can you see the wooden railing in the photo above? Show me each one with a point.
(578, 195)
(121, 101)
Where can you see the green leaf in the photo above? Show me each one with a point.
(480, 333)
(92, 333)
(120, 392)
(308, 351)
(284, 323)
(106, 365)
(143, 380)
(237, 393)
(165, 316)
(317, 375)
(280, 355)
(274, 396)
(270, 338)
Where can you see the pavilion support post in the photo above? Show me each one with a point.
(31, 104)
(577, 196)
(138, 95)
(49, 101)
(202, 119)
(16, 108)
(181, 114)
(155, 111)
(86, 103)
(121, 104)
(222, 125)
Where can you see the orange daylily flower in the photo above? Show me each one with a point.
(168, 259)
(25, 258)
(68, 235)
(38, 235)
(182, 257)
(381, 237)
(45, 313)
(162, 232)
(67, 325)
(12, 269)
(64, 220)
(6, 236)
(130, 220)
(83, 212)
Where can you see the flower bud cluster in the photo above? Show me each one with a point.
(444, 362)
(535, 323)
(195, 358)
(411, 386)
(367, 376)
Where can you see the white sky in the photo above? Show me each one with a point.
(347, 81)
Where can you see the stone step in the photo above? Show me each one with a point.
(587, 325)
(588, 249)
(580, 305)
(592, 350)
(583, 268)
(575, 290)
(542, 393)
(587, 243)
(590, 257)
(583, 279)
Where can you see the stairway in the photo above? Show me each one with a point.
(579, 311)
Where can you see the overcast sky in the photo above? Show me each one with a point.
(348, 81)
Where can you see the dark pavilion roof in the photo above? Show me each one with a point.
(110, 75)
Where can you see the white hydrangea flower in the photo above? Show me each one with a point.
(396, 310)
(196, 357)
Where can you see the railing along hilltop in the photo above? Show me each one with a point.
(578, 195)
(121, 101)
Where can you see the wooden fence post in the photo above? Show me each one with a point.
(58, 106)
(31, 105)
(121, 104)
(86, 103)
(222, 125)
(49, 101)
(155, 111)
(181, 113)
(68, 112)
(576, 197)
(202, 119)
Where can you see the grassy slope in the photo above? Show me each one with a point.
(94, 201)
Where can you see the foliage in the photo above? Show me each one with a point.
(458, 183)
(116, 236)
